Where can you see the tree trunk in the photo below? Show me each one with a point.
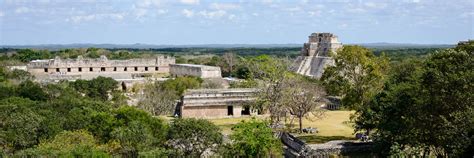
(301, 123)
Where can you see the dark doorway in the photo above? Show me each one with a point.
(230, 110)
(245, 111)
(124, 87)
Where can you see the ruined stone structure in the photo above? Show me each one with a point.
(201, 71)
(315, 54)
(81, 68)
(294, 147)
(216, 103)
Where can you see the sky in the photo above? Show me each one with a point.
(182, 22)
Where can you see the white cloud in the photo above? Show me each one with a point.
(224, 6)
(375, 5)
(314, 13)
(190, 2)
(293, 9)
(231, 17)
(267, 1)
(343, 26)
(148, 3)
(212, 14)
(2, 14)
(255, 14)
(145, 8)
(187, 13)
(22, 10)
(85, 18)
(162, 11)
(140, 12)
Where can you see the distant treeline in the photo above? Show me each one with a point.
(25, 55)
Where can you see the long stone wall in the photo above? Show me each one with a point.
(201, 71)
(81, 68)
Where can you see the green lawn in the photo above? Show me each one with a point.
(333, 126)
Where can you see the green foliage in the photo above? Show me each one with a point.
(31, 90)
(158, 152)
(357, 76)
(467, 47)
(272, 72)
(67, 144)
(192, 137)
(253, 138)
(180, 84)
(156, 99)
(137, 130)
(20, 126)
(26, 55)
(99, 87)
(427, 107)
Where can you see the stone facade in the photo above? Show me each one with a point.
(81, 68)
(201, 71)
(216, 103)
(315, 54)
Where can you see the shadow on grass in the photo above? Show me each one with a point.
(315, 139)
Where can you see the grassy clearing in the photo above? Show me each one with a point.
(333, 126)
(335, 123)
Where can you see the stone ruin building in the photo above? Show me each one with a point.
(83, 68)
(216, 103)
(315, 54)
(202, 71)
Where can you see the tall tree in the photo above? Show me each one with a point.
(157, 100)
(192, 137)
(428, 107)
(357, 76)
(303, 98)
(273, 72)
(230, 59)
(253, 138)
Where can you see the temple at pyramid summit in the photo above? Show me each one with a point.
(315, 54)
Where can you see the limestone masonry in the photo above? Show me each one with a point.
(81, 68)
(216, 103)
(315, 54)
(201, 71)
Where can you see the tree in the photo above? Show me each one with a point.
(137, 131)
(19, 125)
(302, 98)
(273, 72)
(357, 76)
(26, 55)
(99, 87)
(448, 81)
(253, 138)
(427, 108)
(193, 137)
(67, 144)
(230, 60)
(157, 100)
(31, 90)
(180, 84)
